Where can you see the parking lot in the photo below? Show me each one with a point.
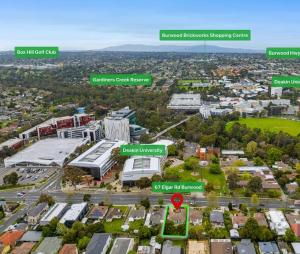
(28, 175)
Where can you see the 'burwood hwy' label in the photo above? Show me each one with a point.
(173, 187)
(283, 53)
(121, 79)
(36, 52)
(286, 81)
(205, 35)
(144, 150)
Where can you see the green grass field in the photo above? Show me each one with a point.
(272, 124)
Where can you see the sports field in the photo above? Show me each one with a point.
(272, 124)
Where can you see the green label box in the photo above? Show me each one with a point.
(205, 35)
(120, 79)
(177, 187)
(36, 52)
(283, 53)
(286, 81)
(143, 150)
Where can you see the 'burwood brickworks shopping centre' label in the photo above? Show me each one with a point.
(205, 35)
(121, 79)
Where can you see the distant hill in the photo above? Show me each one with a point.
(175, 48)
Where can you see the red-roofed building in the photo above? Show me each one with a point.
(24, 248)
(69, 249)
(11, 237)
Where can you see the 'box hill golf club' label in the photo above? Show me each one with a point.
(36, 52)
(205, 35)
(286, 81)
(144, 150)
(121, 79)
(283, 53)
(181, 187)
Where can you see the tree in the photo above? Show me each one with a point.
(251, 148)
(209, 187)
(86, 197)
(117, 157)
(156, 178)
(73, 175)
(144, 232)
(232, 180)
(274, 154)
(160, 201)
(255, 184)
(46, 198)
(254, 200)
(2, 213)
(11, 179)
(289, 236)
(251, 229)
(50, 229)
(191, 163)
(83, 242)
(172, 150)
(159, 239)
(145, 203)
(258, 161)
(144, 182)
(215, 169)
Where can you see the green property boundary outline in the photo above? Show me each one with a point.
(175, 237)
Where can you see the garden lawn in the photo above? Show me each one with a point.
(114, 226)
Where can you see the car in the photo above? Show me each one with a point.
(20, 194)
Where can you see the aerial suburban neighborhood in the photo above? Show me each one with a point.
(108, 147)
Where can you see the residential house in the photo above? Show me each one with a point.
(261, 219)
(268, 248)
(294, 221)
(277, 221)
(217, 218)
(31, 236)
(99, 243)
(98, 212)
(221, 246)
(157, 217)
(291, 187)
(11, 237)
(113, 213)
(49, 245)
(234, 233)
(197, 247)
(34, 214)
(24, 248)
(178, 216)
(69, 249)
(145, 250)
(296, 247)
(195, 216)
(245, 246)
(239, 220)
(137, 214)
(169, 248)
(122, 246)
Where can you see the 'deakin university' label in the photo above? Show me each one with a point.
(36, 52)
(205, 35)
(120, 79)
(286, 81)
(143, 150)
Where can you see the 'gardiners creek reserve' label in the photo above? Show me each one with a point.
(283, 53)
(120, 79)
(181, 187)
(36, 52)
(286, 81)
(143, 149)
(205, 35)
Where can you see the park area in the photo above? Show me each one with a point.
(291, 127)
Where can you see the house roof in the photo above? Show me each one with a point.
(296, 229)
(195, 215)
(97, 243)
(261, 219)
(178, 216)
(217, 217)
(35, 211)
(239, 219)
(68, 249)
(268, 247)
(121, 245)
(113, 212)
(221, 246)
(24, 248)
(98, 211)
(31, 236)
(137, 213)
(49, 245)
(245, 247)
(11, 237)
(168, 248)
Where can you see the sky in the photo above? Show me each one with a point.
(96, 24)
